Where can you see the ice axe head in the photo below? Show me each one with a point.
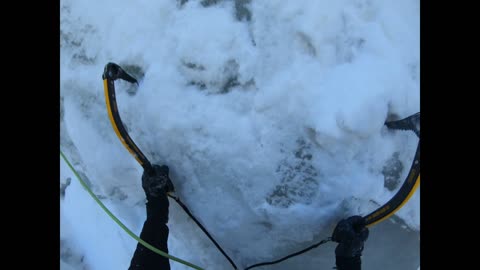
(113, 71)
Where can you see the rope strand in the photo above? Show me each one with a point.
(128, 231)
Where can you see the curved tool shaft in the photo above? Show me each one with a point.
(111, 73)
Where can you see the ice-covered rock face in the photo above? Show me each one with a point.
(269, 114)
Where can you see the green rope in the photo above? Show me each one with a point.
(129, 232)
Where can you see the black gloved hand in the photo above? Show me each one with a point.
(156, 182)
(350, 233)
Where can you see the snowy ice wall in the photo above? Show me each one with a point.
(269, 113)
